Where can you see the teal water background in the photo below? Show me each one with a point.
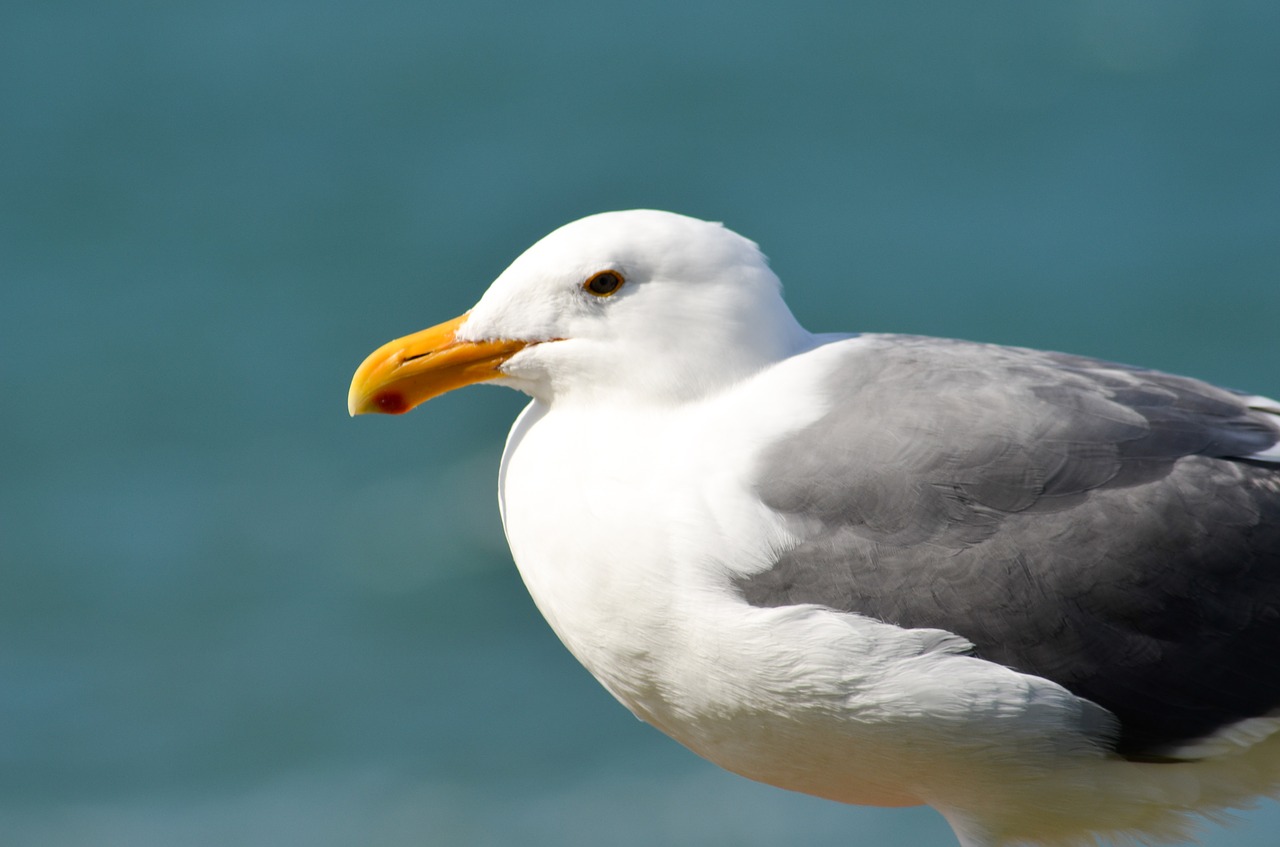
(231, 615)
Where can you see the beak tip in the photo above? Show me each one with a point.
(382, 402)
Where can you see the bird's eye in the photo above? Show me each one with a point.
(604, 283)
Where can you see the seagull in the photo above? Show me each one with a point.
(1035, 591)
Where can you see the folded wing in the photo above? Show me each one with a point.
(1113, 529)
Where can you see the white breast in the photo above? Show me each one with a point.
(629, 524)
(626, 538)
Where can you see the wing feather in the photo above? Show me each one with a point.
(1107, 527)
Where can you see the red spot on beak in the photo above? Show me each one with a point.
(391, 403)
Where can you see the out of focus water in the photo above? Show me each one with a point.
(231, 615)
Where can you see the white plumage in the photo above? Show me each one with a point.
(635, 492)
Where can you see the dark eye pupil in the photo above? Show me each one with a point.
(604, 283)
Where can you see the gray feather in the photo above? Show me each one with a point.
(1092, 523)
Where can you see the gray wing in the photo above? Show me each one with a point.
(1098, 525)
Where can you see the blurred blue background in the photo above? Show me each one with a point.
(231, 615)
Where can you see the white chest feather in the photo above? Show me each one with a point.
(627, 539)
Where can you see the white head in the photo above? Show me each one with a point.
(630, 307)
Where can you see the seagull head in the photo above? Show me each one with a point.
(636, 307)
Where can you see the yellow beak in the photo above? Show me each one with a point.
(411, 370)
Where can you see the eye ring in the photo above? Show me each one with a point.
(603, 284)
